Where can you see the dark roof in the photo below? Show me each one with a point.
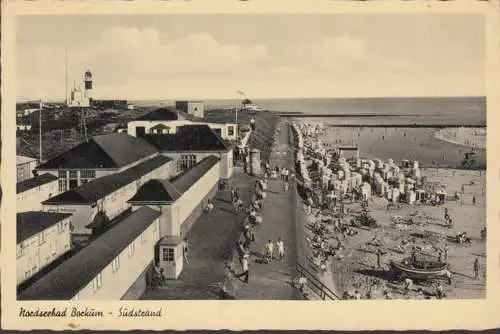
(171, 190)
(161, 114)
(31, 222)
(160, 126)
(34, 182)
(114, 150)
(74, 274)
(103, 186)
(193, 137)
(156, 191)
(170, 240)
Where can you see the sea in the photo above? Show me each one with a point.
(412, 110)
(396, 137)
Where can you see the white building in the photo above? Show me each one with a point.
(95, 204)
(25, 167)
(195, 108)
(42, 237)
(180, 200)
(115, 266)
(23, 127)
(191, 144)
(32, 192)
(100, 156)
(174, 119)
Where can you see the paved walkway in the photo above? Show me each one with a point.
(213, 237)
(211, 242)
(273, 280)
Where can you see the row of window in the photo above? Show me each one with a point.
(69, 179)
(186, 161)
(115, 264)
(61, 227)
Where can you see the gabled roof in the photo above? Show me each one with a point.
(106, 151)
(103, 186)
(66, 280)
(171, 190)
(32, 222)
(192, 137)
(160, 126)
(34, 182)
(156, 191)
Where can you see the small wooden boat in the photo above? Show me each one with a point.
(405, 270)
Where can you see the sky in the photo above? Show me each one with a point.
(265, 56)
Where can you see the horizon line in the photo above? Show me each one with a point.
(59, 100)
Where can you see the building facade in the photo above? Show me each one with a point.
(42, 237)
(101, 156)
(32, 192)
(106, 196)
(114, 266)
(25, 167)
(195, 108)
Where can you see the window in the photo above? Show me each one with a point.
(230, 130)
(73, 183)
(87, 175)
(62, 185)
(116, 264)
(62, 174)
(143, 238)
(27, 274)
(73, 174)
(155, 227)
(131, 249)
(60, 227)
(168, 254)
(97, 282)
(41, 238)
(186, 161)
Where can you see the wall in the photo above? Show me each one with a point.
(82, 215)
(226, 163)
(36, 256)
(191, 199)
(30, 200)
(131, 127)
(25, 170)
(116, 284)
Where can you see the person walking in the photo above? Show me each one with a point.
(232, 195)
(244, 266)
(185, 249)
(269, 250)
(476, 269)
(281, 249)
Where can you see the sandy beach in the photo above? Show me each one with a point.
(354, 266)
(470, 137)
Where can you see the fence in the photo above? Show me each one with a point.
(315, 285)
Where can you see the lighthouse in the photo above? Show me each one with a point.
(88, 84)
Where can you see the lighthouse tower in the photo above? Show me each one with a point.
(88, 85)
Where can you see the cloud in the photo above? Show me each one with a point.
(128, 55)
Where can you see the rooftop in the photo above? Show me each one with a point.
(105, 151)
(166, 114)
(32, 222)
(193, 137)
(103, 186)
(21, 159)
(74, 274)
(34, 182)
(171, 190)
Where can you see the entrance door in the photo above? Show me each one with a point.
(140, 131)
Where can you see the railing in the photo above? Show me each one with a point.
(315, 285)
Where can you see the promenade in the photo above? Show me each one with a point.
(273, 280)
(213, 237)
